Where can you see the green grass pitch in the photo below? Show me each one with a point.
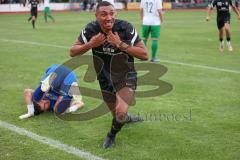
(205, 82)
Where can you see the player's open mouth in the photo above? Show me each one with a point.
(108, 23)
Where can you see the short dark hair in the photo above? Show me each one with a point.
(37, 108)
(103, 3)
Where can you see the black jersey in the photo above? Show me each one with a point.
(222, 6)
(34, 4)
(109, 61)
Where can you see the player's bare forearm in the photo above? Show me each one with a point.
(161, 18)
(55, 108)
(141, 14)
(28, 96)
(78, 48)
(160, 12)
(139, 50)
(236, 11)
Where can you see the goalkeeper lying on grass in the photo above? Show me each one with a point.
(58, 92)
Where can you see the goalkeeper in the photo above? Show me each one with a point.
(58, 91)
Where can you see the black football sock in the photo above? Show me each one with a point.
(228, 39)
(33, 23)
(116, 127)
(45, 18)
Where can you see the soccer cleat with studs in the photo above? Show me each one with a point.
(109, 141)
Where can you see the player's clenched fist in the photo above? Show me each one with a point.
(113, 38)
(97, 40)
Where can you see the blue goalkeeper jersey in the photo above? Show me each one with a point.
(63, 80)
(60, 86)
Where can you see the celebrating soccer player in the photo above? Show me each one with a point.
(114, 43)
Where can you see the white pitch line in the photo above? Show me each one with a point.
(34, 43)
(50, 142)
(201, 66)
(166, 61)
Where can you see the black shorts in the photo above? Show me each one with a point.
(222, 19)
(109, 88)
(114, 86)
(34, 12)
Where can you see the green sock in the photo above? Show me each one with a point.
(145, 42)
(45, 17)
(51, 17)
(154, 48)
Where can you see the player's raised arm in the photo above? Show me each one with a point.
(138, 50)
(79, 48)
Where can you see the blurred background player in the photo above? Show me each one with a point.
(58, 91)
(47, 11)
(223, 20)
(152, 17)
(33, 11)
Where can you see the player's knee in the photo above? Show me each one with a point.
(227, 27)
(121, 117)
(62, 106)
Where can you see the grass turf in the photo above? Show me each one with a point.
(213, 132)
